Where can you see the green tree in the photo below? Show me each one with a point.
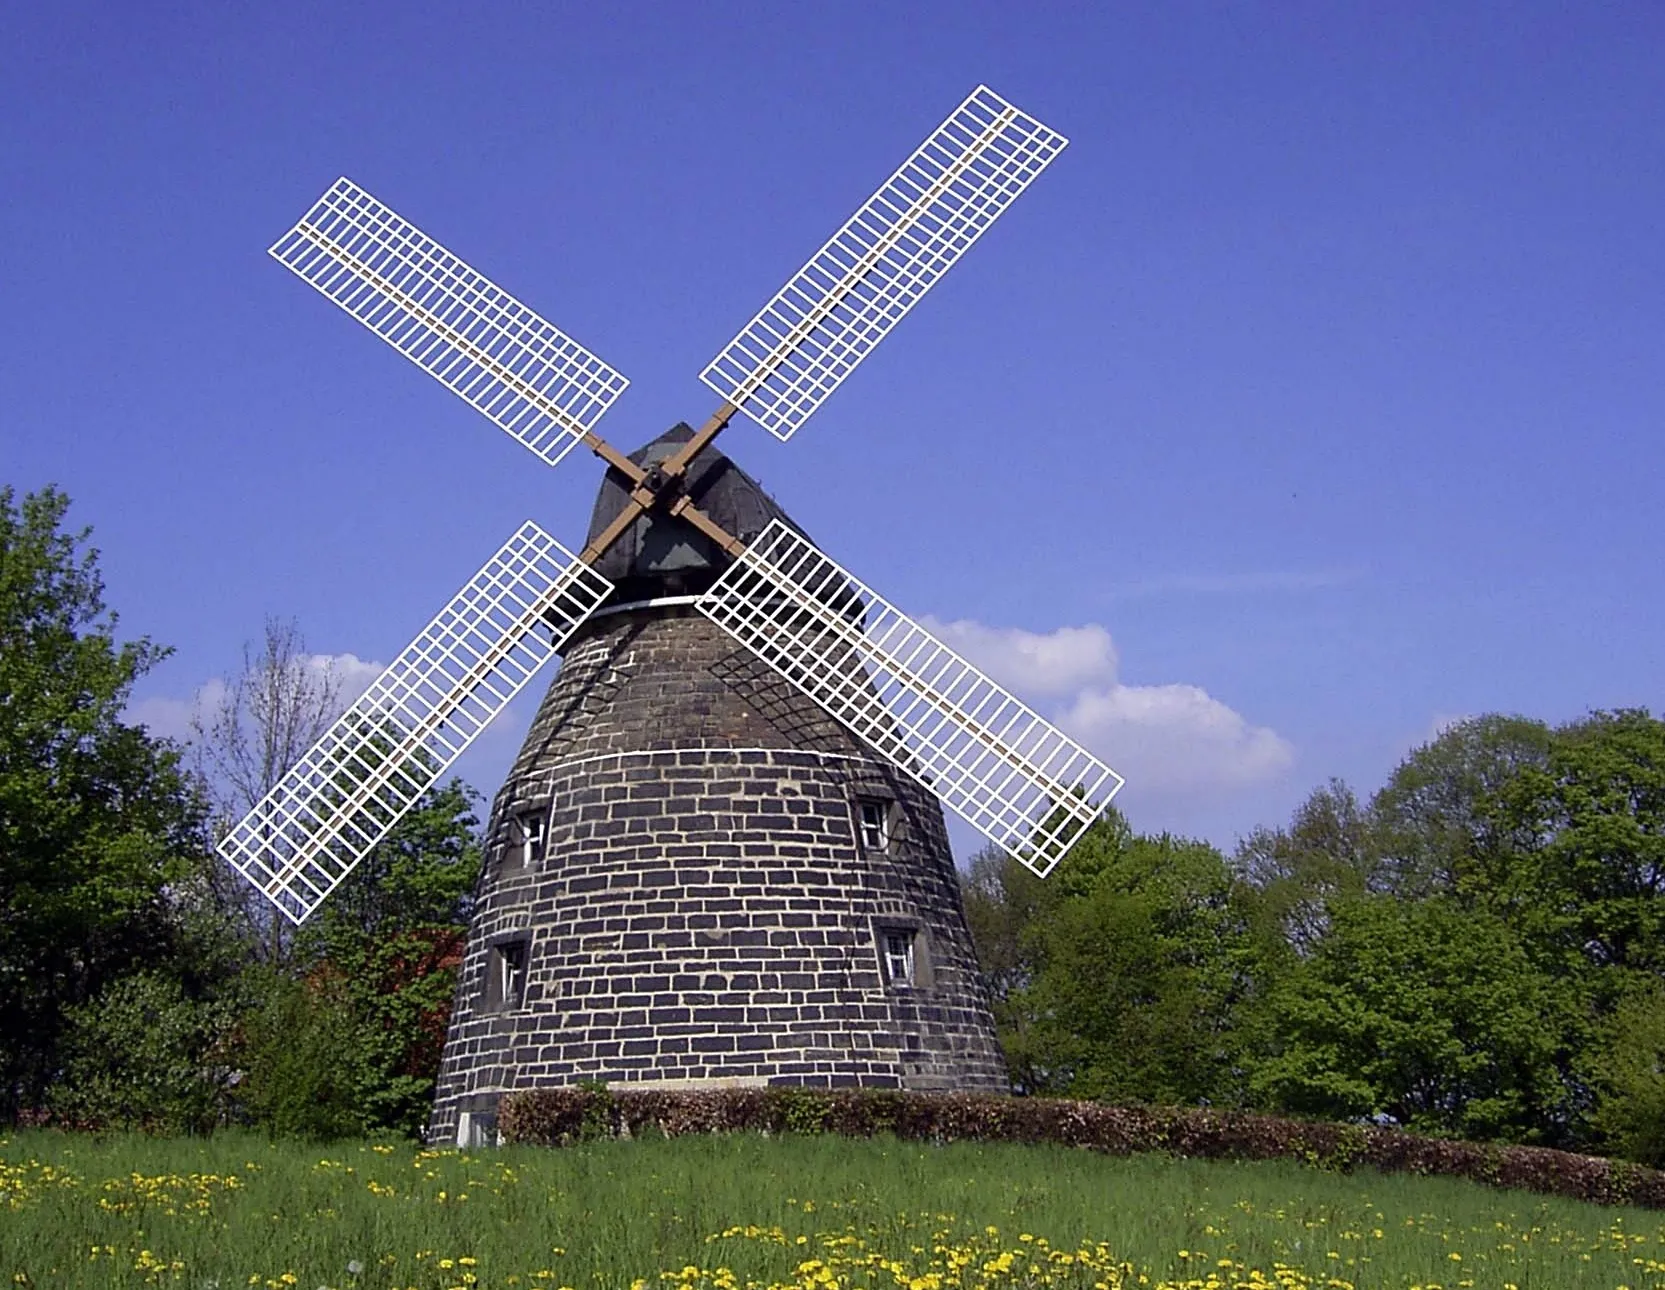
(1003, 900)
(1590, 824)
(1627, 1069)
(1427, 1015)
(100, 831)
(383, 952)
(147, 1054)
(306, 1066)
(1442, 824)
(1141, 966)
(1328, 852)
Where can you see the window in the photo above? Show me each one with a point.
(506, 975)
(904, 950)
(896, 947)
(526, 838)
(873, 823)
(477, 1129)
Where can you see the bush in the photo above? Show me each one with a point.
(304, 1073)
(144, 1055)
(554, 1117)
(1629, 1077)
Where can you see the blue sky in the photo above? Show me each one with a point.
(1315, 390)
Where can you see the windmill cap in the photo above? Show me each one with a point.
(662, 555)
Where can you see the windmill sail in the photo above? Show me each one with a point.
(1021, 781)
(393, 744)
(844, 301)
(530, 379)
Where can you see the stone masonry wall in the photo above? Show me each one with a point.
(704, 909)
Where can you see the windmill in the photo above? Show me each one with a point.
(735, 774)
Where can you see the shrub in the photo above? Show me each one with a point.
(144, 1055)
(1629, 1076)
(553, 1117)
(304, 1071)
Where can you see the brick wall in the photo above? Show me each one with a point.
(704, 910)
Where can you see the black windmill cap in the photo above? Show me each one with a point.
(660, 554)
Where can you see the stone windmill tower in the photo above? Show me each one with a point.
(719, 855)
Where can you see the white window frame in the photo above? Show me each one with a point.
(506, 988)
(874, 835)
(898, 967)
(529, 835)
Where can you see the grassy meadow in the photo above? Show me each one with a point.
(743, 1212)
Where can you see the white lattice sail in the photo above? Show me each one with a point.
(844, 301)
(523, 373)
(1010, 773)
(392, 745)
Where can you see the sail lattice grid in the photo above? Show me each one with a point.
(844, 301)
(1010, 773)
(392, 745)
(528, 377)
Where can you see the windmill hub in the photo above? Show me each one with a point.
(661, 485)
(662, 553)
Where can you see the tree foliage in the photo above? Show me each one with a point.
(1590, 830)
(1122, 977)
(140, 986)
(1421, 1014)
(1329, 852)
(1478, 949)
(384, 951)
(98, 824)
(1627, 1070)
(146, 1054)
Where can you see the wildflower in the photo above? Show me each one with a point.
(354, 1267)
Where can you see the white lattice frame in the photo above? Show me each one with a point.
(845, 660)
(865, 243)
(520, 371)
(443, 689)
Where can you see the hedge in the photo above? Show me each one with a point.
(554, 1117)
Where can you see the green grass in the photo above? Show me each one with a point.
(237, 1211)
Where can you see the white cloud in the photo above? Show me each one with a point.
(353, 673)
(170, 717)
(1059, 663)
(1176, 738)
(1168, 740)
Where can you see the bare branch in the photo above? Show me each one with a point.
(244, 738)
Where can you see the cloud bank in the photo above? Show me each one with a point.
(1167, 740)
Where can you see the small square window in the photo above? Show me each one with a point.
(873, 823)
(526, 838)
(897, 949)
(506, 974)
